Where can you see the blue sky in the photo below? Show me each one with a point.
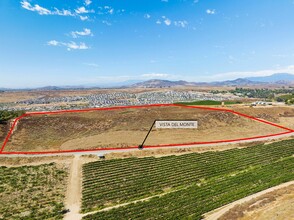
(77, 42)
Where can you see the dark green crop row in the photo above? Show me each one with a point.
(112, 182)
(32, 192)
(194, 201)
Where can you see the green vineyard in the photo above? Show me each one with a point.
(32, 192)
(190, 184)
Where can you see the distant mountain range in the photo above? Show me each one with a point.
(275, 78)
(156, 83)
(278, 79)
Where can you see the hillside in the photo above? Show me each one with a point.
(128, 127)
(277, 79)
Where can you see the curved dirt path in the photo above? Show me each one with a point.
(276, 205)
(217, 213)
(106, 151)
(15, 126)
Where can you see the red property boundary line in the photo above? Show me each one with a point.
(288, 130)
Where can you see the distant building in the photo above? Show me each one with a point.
(260, 103)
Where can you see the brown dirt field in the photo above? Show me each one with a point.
(277, 114)
(4, 128)
(59, 104)
(7, 97)
(276, 205)
(22, 161)
(121, 128)
(16, 96)
(174, 151)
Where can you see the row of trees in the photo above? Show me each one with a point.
(288, 99)
(279, 95)
(7, 115)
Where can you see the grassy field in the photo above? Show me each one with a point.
(194, 183)
(289, 98)
(32, 192)
(123, 128)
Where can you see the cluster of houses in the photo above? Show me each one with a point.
(112, 99)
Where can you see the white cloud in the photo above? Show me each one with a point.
(111, 11)
(61, 12)
(88, 2)
(232, 59)
(85, 32)
(26, 5)
(238, 74)
(154, 75)
(167, 21)
(53, 43)
(106, 23)
(108, 10)
(75, 46)
(122, 78)
(280, 55)
(182, 24)
(210, 11)
(147, 16)
(81, 10)
(91, 64)
(70, 46)
(40, 10)
(84, 18)
(120, 11)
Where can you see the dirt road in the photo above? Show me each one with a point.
(103, 152)
(216, 214)
(74, 194)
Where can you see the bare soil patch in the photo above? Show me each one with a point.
(4, 128)
(33, 161)
(277, 114)
(176, 151)
(74, 188)
(128, 127)
(276, 205)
